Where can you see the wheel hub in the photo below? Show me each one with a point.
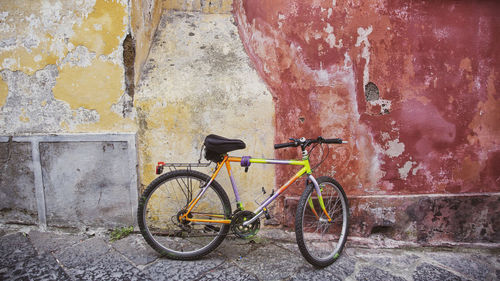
(182, 223)
(244, 231)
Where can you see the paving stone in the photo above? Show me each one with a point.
(375, 274)
(292, 247)
(314, 274)
(83, 253)
(339, 270)
(234, 249)
(136, 249)
(343, 267)
(285, 236)
(429, 272)
(15, 248)
(271, 263)
(46, 242)
(111, 266)
(40, 267)
(464, 263)
(396, 260)
(165, 269)
(228, 271)
(33, 257)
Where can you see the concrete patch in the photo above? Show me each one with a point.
(17, 189)
(87, 183)
(74, 180)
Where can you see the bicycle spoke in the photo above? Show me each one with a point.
(167, 202)
(318, 238)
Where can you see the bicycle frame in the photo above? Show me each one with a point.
(306, 169)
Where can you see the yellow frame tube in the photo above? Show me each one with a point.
(227, 159)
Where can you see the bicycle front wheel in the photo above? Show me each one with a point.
(167, 198)
(321, 240)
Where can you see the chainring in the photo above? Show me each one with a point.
(242, 231)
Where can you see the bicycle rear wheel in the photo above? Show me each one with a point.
(321, 241)
(166, 198)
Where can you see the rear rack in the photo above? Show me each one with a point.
(174, 166)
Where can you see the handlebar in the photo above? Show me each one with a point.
(306, 142)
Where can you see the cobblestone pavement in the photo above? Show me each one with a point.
(39, 255)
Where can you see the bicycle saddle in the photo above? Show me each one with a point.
(222, 145)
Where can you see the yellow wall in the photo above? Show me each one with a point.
(83, 40)
(62, 71)
(200, 82)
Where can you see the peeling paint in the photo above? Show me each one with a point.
(363, 39)
(83, 41)
(331, 39)
(45, 27)
(403, 171)
(79, 57)
(394, 148)
(439, 107)
(32, 108)
(112, 17)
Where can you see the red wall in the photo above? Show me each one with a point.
(435, 127)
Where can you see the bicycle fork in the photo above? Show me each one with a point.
(320, 199)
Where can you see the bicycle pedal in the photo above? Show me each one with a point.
(266, 213)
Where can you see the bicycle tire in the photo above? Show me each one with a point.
(320, 241)
(160, 206)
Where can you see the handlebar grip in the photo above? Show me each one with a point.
(282, 145)
(333, 141)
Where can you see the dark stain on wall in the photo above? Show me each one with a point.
(128, 63)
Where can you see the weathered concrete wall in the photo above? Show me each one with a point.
(198, 80)
(204, 6)
(61, 65)
(145, 16)
(62, 70)
(88, 184)
(427, 220)
(71, 181)
(411, 85)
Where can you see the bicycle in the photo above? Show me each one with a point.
(181, 226)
